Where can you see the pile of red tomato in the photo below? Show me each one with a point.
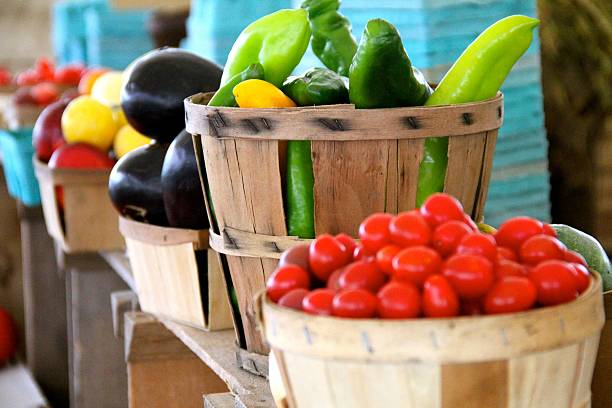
(44, 83)
(430, 262)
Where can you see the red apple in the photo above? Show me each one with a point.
(47, 135)
(80, 156)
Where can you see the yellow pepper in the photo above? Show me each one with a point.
(256, 93)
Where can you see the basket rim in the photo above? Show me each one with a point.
(458, 339)
(342, 122)
(163, 236)
(69, 176)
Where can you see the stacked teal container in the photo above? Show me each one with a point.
(17, 152)
(213, 25)
(435, 33)
(90, 31)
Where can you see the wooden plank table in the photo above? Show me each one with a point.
(216, 350)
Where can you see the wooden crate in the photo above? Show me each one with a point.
(602, 387)
(364, 161)
(541, 358)
(171, 282)
(88, 221)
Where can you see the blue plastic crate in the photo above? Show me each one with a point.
(214, 25)
(69, 29)
(116, 38)
(17, 153)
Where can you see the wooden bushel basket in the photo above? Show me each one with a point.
(88, 222)
(169, 279)
(364, 161)
(542, 358)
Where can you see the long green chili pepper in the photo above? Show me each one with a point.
(332, 40)
(476, 76)
(225, 95)
(317, 86)
(381, 73)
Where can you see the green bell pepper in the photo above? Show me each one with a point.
(317, 86)
(476, 76)
(277, 41)
(381, 75)
(332, 40)
(225, 95)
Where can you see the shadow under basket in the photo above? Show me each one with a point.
(602, 386)
(177, 275)
(364, 161)
(541, 358)
(87, 221)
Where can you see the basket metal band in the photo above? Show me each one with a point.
(248, 244)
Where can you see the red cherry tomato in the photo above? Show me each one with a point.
(440, 207)
(505, 268)
(297, 255)
(293, 299)
(384, 258)
(415, 264)
(5, 76)
(319, 302)
(285, 279)
(541, 248)
(27, 78)
(506, 253)
(574, 257)
(69, 74)
(510, 295)
(362, 275)
(555, 282)
(44, 94)
(374, 231)
(409, 229)
(327, 254)
(360, 253)
(333, 282)
(439, 298)
(582, 276)
(446, 236)
(517, 230)
(477, 243)
(354, 303)
(470, 275)
(348, 242)
(548, 230)
(471, 307)
(45, 69)
(397, 300)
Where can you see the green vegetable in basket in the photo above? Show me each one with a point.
(476, 76)
(317, 86)
(381, 74)
(332, 40)
(277, 41)
(590, 248)
(225, 95)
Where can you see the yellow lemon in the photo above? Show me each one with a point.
(107, 88)
(128, 139)
(86, 120)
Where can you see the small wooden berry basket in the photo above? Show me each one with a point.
(177, 275)
(87, 221)
(541, 358)
(364, 161)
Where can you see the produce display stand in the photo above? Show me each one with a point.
(155, 340)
